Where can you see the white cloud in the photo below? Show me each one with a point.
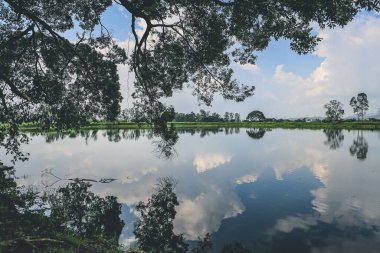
(250, 67)
(205, 162)
(349, 65)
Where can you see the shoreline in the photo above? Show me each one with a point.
(351, 125)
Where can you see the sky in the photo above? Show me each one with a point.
(288, 85)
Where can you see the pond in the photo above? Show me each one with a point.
(269, 190)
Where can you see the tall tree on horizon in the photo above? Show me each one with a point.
(334, 110)
(360, 105)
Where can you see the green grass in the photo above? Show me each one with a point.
(348, 125)
(60, 244)
(365, 125)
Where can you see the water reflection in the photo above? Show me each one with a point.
(256, 133)
(163, 141)
(286, 192)
(266, 201)
(205, 162)
(11, 140)
(359, 147)
(49, 179)
(335, 138)
(116, 135)
(32, 222)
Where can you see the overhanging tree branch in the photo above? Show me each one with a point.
(13, 87)
(18, 36)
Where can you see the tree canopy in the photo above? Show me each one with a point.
(334, 110)
(360, 105)
(255, 116)
(46, 78)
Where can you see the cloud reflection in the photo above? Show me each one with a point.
(295, 222)
(348, 197)
(204, 214)
(246, 179)
(205, 162)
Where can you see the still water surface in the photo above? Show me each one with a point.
(272, 191)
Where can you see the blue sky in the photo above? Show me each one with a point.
(344, 64)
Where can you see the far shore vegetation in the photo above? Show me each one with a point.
(130, 119)
(370, 124)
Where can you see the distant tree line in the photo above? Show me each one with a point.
(207, 116)
(334, 113)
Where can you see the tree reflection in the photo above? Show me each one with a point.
(164, 140)
(359, 146)
(16, 216)
(72, 218)
(154, 228)
(256, 133)
(11, 141)
(335, 138)
(235, 248)
(84, 213)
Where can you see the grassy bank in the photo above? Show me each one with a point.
(366, 125)
(348, 125)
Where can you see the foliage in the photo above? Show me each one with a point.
(19, 215)
(236, 248)
(255, 116)
(85, 213)
(27, 227)
(206, 116)
(45, 77)
(334, 110)
(11, 140)
(203, 245)
(154, 228)
(187, 41)
(48, 79)
(128, 130)
(360, 105)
